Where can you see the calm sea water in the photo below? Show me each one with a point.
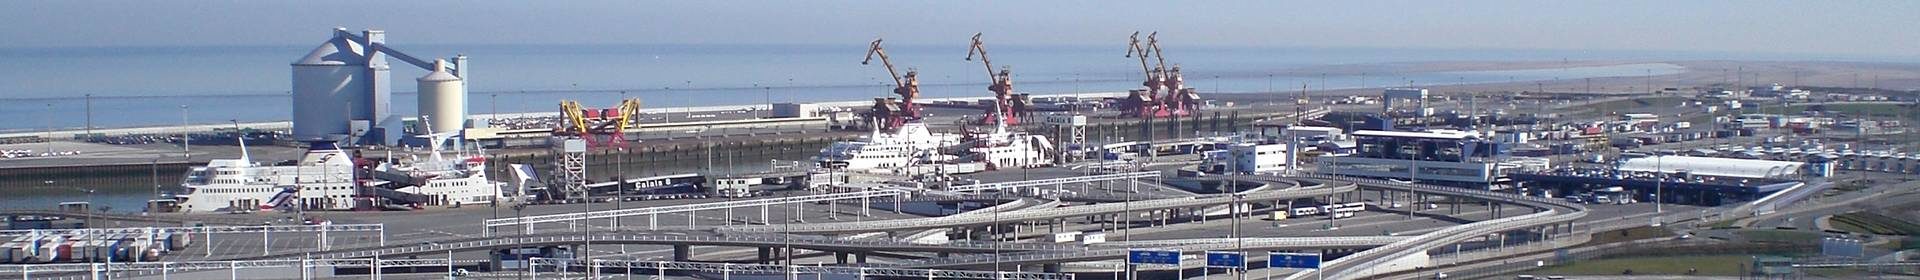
(43, 87)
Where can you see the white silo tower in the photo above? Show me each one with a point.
(443, 101)
(329, 87)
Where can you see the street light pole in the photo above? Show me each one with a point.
(186, 138)
(994, 230)
(89, 115)
(49, 129)
(1233, 213)
(786, 238)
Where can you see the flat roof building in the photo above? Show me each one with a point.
(1712, 166)
(1442, 157)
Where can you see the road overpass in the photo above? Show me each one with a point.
(1198, 202)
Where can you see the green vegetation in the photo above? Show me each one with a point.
(1867, 222)
(1780, 236)
(1723, 224)
(1708, 265)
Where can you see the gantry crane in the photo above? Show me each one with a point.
(889, 114)
(593, 124)
(1180, 100)
(1003, 111)
(1143, 103)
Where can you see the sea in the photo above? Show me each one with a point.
(49, 88)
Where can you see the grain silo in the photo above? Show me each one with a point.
(341, 91)
(328, 84)
(443, 101)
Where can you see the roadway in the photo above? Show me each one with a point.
(1358, 265)
(441, 235)
(1052, 213)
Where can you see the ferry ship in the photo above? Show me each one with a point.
(1008, 149)
(327, 178)
(911, 144)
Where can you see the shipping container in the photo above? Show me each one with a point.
(63, 251)
(10, 252)
(178, 241)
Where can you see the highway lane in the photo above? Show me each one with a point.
(1357, 264)
(1052, 213)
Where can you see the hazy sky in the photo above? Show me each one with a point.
(1862, 28)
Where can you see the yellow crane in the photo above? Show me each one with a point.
(591, 124)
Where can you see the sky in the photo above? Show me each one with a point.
(1854, 28)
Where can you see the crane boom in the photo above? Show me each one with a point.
(874, 49)
(1001, 84)
(1133, 47)
(1153, 42)
(980, 48)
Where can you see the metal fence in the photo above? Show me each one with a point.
(559, 268)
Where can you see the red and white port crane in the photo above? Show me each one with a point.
(1180, 100)
(1144, 103)
(1003, 111)
(889, 114)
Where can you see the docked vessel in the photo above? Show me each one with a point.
(911, 144)
(1010, 149)
(327, 178)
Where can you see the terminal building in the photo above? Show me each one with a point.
(1675, 179)
(1442, 157)
(1247, 158)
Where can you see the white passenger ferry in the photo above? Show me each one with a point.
(909, 145)
(325, 179)
(1010, 149)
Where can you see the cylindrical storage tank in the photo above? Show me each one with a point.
(443, 101)
(327, 83)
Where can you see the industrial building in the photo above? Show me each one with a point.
(342, 91)
(1248, 158)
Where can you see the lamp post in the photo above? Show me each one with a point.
(90, 114)
(186, 138)
(89, 211)
(1233, 213)
(155, 166)
(1276, 95)
(669, 115)
(786, 236)
(994, 230)
(689, 105)
(49, 129)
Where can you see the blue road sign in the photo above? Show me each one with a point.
(1226, 260)
(1153, 257)
(1293, 260)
